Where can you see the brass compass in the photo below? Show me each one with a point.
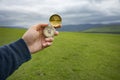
(55, 22)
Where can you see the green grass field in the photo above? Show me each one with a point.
(105, 29)
(73, 56)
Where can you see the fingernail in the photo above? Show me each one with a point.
(44, 44)
(49, 44)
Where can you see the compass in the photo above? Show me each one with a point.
(49, 31)
(55, 22)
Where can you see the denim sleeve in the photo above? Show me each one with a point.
(12, 56)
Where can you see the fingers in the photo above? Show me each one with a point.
(49, 39)
(56, 33)
(47, 44)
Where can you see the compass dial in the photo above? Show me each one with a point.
(49, 31)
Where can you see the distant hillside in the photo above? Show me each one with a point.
(78, 28)
(104, 29)
(13, 27)
(83, 27)
(112, 27)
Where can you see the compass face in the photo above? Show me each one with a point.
(55, 20)
(49, 31)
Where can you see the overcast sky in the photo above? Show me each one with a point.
(30, 12)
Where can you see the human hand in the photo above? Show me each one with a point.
(35, 38)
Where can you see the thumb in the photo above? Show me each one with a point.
(40, 26)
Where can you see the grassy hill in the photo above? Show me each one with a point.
(104, 29)
(10, 34)
(73, 56)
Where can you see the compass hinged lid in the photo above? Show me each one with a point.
(55, 20)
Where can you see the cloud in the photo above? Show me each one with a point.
(29, 12)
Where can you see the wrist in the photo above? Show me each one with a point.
(27, 44)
